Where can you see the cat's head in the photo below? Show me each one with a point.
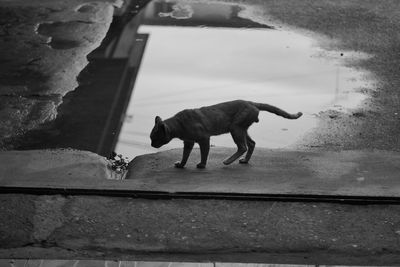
(160, 134)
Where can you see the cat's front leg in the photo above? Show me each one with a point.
(204, 149)
(187, 148)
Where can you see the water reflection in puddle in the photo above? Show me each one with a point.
(189, 67)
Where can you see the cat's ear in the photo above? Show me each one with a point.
(158, 120)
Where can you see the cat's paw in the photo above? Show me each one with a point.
(179, 165)
(226, 162)
(201, 166)
(243, 161)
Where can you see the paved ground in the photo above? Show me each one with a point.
(37, 71)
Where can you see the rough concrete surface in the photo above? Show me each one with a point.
(124, 228)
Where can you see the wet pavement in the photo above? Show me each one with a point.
(194, 64)
(322, 69)
(88, 118)
(197, 54)
(43, 49)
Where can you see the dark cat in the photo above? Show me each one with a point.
(197, 125)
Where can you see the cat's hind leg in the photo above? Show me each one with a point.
(250, 148)
(239, 137)
(204, 149)
(187, 148)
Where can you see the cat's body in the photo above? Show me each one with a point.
(198, 125)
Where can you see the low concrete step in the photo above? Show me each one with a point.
(323, 176)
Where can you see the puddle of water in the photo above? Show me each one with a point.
(190, 67)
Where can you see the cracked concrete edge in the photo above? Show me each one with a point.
(35, 76)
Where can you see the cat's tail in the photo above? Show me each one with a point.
(277, 111)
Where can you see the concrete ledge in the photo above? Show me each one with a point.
(273, 173)
(344, 173)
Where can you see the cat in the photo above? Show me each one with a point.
(197, 125)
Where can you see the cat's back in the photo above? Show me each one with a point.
(229, 107)
(223, 114)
